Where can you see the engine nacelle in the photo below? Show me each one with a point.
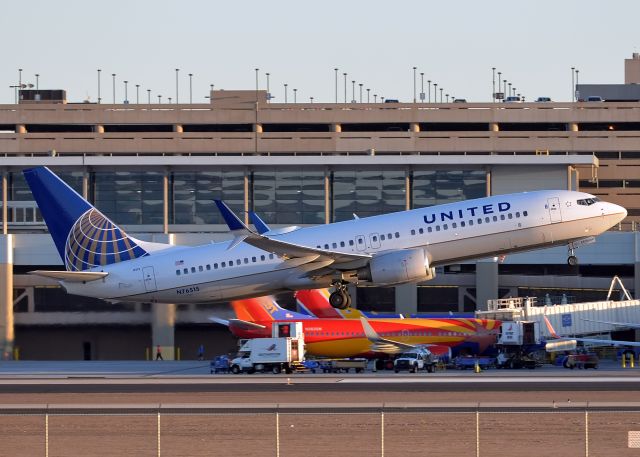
(407, 265)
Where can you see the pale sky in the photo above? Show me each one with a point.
(455, 43)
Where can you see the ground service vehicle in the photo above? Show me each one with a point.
(415, 360)
(284, 350)
(268, 355)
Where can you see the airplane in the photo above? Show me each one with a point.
(591, 341)
(375, 338)
(102, 261)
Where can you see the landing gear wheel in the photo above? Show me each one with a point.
(339, 299)
(572, 260)
(348, 299)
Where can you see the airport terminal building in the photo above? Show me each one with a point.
(156, 168)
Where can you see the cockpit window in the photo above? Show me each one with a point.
(588, 201)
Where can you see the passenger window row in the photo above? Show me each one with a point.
(360, 241)
(470, 222)
(226, 264)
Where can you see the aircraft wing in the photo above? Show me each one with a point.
(601, 342)
(284, 249)
(595, 341)
(380, 344)
(617, 324)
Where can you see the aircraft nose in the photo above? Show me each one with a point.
(618, 211)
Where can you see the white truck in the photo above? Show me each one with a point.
(271, 354)
(415, 360)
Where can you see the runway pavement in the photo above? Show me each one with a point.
(193, 377)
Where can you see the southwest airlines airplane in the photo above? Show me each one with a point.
(102, 261)
(376, 338)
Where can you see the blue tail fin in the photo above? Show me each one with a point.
(85, 237)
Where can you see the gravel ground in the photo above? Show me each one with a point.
(405, 434)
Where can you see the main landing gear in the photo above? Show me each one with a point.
(340, 298)
(572, 260)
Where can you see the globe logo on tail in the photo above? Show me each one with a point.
(95, 241)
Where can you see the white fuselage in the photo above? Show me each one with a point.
(448, 233)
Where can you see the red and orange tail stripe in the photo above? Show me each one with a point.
(253, 309)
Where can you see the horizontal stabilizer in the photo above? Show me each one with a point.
(71, 276)
(245, 325)
(219, 320)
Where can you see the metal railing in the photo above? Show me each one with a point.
(347, 429)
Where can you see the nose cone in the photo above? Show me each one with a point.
(617, 212)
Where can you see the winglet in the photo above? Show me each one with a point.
(259, 224)
(552, 332)
(369, 332)
(229, 217)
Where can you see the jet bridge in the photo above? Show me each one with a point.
(569, 319)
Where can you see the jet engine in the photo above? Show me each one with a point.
(397, 267)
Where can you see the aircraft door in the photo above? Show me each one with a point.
(553, 205)
(374, 240)
(361, 243)
(149, 277)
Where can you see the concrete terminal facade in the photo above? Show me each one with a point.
(155, 169)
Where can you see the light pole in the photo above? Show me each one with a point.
(414, 84)
(429, 91)
(169, 100)
(368, 90)
(345, 87)
(360, 92)
(177, 73)
(504, 85)
(37, 81)
(336, 82)
(99, 98)
(159, 99)
(499, 81)
(375, 98)
(435, 92)
(20, 76)
(190, 88)
(268, 92)
(509, 89)
(285, 92)
(493, 93)
(311, 99)
(422, 86)
(137, 94)
(353, 91)
(573, 86)
(113, 75)
(126, 98)
(295, 95)
(447, 96)
(148, 96)
(441, 89)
